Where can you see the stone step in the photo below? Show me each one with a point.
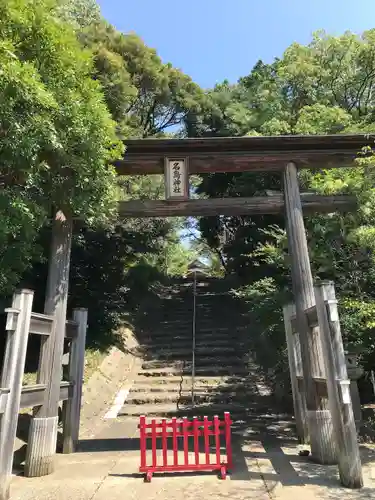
(169, 383)
(170, 389)
(172, 410)
(153, 348)
(186, 342)
(215, 318)
(212, 330)
(185, 382)
(177, 350)
(200, 396)
(199, 371)
(208, 318)
(186, 345)
(213, 337)
(188, 308)
(200, 361)
(186, 352)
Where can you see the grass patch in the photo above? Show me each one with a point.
(29, 378)
(93, 359)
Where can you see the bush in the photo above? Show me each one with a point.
(264, 302)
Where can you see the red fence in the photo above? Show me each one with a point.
(172, 431)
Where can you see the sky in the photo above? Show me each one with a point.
(213, 40)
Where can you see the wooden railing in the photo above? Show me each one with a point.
(32, 395)
(46, 394)
(333, 425)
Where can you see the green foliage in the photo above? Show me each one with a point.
(324, 87)
(145, 96)
(176, 257)
(57, 135)
(71, 88)
(264, 300)
(322, 119)
(109, 274)
(78, 136)
(19, 217)
(79, 13)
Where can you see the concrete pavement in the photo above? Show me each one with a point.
(106, 469)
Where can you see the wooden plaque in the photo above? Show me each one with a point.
(176, 175)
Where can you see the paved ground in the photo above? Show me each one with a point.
(106, 469)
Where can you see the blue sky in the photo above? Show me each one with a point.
(216, 39)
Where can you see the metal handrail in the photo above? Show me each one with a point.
(193, 339)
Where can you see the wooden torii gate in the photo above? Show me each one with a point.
(179, 158)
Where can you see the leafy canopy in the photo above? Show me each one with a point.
(325, 87)
(57, 137)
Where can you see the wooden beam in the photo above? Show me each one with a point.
(242, 154)
(232, 206)
(320, 424)
(72, 407)
(40, 324)
(221, 163)
(312, 319)
(252, 162)
(33, 395)
(11, 378)
(338, 385)
(299, 400)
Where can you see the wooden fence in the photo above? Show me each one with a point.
(331, 429)
(45, 396)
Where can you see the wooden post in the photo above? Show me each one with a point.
(338, 386)
(41, 447)
(76, 366)
(299, 401)
(354, 372)
(320, 425)
(356, 402)
(12, 375)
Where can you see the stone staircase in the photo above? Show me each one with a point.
(225, 377)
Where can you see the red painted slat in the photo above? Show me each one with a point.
(206, 439)
(143, 443)
(164, 443)
(186, 441)
(175, 442)
(217, 439)
(196, 440)
(153, 438)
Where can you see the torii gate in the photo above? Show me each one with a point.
(178, 158)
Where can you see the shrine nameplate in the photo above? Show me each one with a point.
(176, 179)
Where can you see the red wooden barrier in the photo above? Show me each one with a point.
(171, 432)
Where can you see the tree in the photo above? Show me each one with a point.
(113, 261)
(145, 95)
(79, 13)
(323, 87)
(57, 138)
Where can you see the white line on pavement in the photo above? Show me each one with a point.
(117, 404)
